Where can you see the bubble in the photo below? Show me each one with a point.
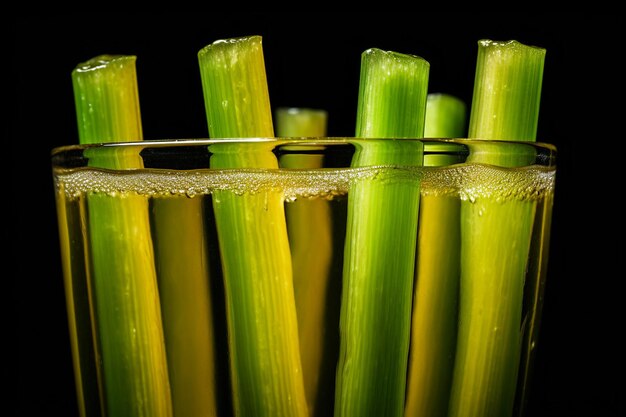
(468, 182)
(473, 181)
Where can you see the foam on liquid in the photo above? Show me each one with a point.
(468, 181)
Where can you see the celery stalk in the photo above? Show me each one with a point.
(122, 278)
(77, 298)
(310, 239)
(262, 322)
(434, 326)
(301, 122)
(445, 116)
(183, 272)
(379, 258)
(495, 236)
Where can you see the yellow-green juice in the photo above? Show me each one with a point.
(177, 172)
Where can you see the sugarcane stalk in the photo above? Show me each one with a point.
(445, 116)
(122, 278)
(183, 272)
(310, 240)
(77, 299)
(495, 235)
(379, 257)
(434, 324)
(265, 362)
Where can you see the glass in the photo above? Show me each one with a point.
(265, 276)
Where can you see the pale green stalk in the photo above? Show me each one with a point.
(77, 300)
(379, 257)
(264, 351)
(301, 122)
(495, 235)
(183, 274)
(434, 326)
(122, 281)
(310, 239)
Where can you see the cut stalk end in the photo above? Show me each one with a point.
(235, 89)
(107, 100)
(392, 95)
(507, 91)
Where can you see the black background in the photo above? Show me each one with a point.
(313, 60)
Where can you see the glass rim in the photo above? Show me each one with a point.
(312, 141)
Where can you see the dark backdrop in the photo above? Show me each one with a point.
(313, 60)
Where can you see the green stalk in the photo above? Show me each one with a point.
(262, 322)
(445, 116)
(310, 239)
(379, 257)
(434, 326)
(122, 284)
(82, 347)
(301, 122)
(495, 236)
(183, 271)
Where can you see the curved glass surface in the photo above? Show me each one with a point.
(234, 274)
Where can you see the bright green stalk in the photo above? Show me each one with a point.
(310, 238)
(379, 258)
(256, 262)
(495, 236)
(434, 326)
(123, 285)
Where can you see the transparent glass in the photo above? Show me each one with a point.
(304, 277)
